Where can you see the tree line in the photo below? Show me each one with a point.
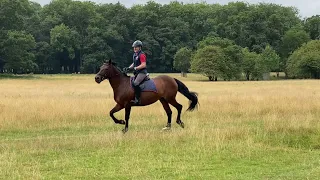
(219, 41)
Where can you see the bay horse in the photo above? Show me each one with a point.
(167, 88)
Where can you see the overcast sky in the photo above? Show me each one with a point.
(306, 7)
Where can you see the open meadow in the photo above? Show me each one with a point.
(58, 127)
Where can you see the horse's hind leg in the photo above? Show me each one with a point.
(167, 108)
(179, 109)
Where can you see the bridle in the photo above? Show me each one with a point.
(103, 77)
(107, 74)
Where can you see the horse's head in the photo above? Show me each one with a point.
(107, 71)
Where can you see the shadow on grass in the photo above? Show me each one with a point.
(13, 76)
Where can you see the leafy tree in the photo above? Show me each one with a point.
(233, 55)
(305, 62)
(255, 66)
(250, 65)
(3, 36)
(97, 50)
(115, 23)
(44, 58)
(270, 59)
(255, 26)
(13, 17)
(94, 32)
(79, 16)
(215, 41)
(259, 69)
(312, 26)
(33, 21)
(292, 40)
(182, 60)
(234, 58)
(19, 57)
(64, 41)
(209, 61)
(13, 14)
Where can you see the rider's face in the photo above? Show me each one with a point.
(136, 49)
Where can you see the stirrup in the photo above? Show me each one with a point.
(135, 102)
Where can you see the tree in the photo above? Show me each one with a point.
(3, 36)
(13, 14)
(292, 40)
(32, 21)
(232, 53)
(312, 26)
(182, 60)
(270, 60)
(19, 57)
(97, 49)
(259, 69)
(305, 62)
(209, 61)
(254, 26)
(250, 65)
(114, 21)
(79, 16)
(65, 42)
(44, 57)
(93, 32)
(234, 58)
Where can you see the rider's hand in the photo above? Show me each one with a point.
(126, 69)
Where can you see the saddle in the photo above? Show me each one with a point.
(147, 85)
(147, 78)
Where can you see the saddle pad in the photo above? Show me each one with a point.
(146, 86)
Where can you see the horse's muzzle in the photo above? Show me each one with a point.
(98, 79)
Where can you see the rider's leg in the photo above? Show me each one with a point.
(140, 77)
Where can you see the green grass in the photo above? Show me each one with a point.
(162, 156)
(57, 127)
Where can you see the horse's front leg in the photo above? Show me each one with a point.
(127, 117)
(117, 108)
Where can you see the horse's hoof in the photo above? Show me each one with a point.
(166, 128)
(181, 124)
(125, 130)
(122, 122)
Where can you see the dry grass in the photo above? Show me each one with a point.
(57, 127)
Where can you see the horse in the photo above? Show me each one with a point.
(166, 86)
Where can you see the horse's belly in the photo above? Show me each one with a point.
(148, 98)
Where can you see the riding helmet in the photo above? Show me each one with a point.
(137, 44)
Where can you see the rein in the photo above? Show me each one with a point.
(105, 76)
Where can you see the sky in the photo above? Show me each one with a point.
(306, 7)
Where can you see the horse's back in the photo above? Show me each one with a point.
(165, 83)
(164, 78)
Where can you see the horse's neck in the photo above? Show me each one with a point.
(118, 81)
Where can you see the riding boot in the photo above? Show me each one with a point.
(137, 92)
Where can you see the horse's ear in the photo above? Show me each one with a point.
(110, 61)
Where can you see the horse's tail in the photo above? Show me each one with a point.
(192, 96)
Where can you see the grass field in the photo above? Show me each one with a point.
(58, 127)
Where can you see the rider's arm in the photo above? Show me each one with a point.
(143, 60)
(131, 66)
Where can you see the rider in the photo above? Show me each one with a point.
(139, 66)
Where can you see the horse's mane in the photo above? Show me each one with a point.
(122, 72)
